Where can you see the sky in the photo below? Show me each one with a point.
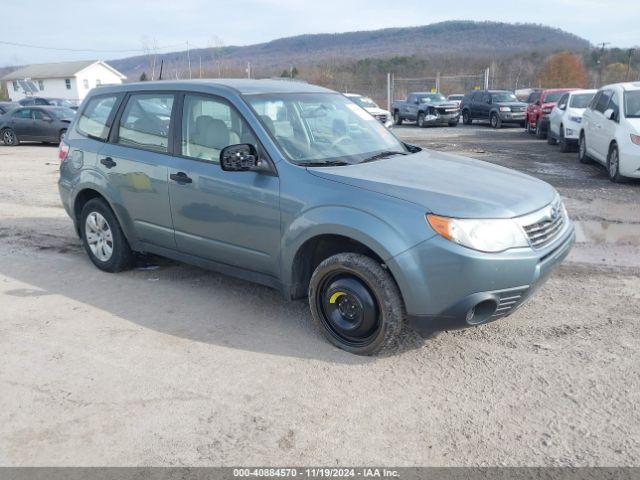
(120, 28)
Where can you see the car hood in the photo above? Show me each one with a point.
(445, 104)
(377, 111)
(447, 185)
(512, 104)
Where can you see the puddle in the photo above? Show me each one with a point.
(605, 232)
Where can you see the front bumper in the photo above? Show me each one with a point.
(441, 119)
(513, 116)
(446, 286)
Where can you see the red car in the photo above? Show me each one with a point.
(540, 106)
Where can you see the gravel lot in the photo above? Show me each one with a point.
(172, 365)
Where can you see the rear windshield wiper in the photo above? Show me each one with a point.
(381, 155)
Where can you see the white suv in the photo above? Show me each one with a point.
(565, 120)
(610, 131)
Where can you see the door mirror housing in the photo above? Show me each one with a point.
(242, 157)
(610, 114)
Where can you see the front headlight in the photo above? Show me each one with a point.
(546, 110)
(505, 109)
(576, 119)
(484, 235)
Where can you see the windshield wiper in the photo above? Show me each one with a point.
(381, 155)
(326, 163)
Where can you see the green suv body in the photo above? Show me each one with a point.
(296, 187)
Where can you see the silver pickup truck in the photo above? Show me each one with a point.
(426, 109)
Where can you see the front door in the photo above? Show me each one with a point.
(228, 217)
(136, 164)
(44, 126)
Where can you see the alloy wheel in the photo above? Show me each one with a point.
(8, 137)
(99, 236)
(613, 163)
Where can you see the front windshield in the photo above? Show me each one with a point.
(432, 97)
(322, 128)
(553, 97)
(364, 102)
(502, 97)
(581, 100)
(632, 104)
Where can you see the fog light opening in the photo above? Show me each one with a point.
(481, 312)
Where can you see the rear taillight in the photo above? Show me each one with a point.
(63, 151)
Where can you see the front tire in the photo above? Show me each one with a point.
(10, 138)
(103, 239)
(453, 124)
(564, 145)
(583, 156)
(421, 120)
(466, 118)
(397, 119)
(496, 121)
(613, 165)
(540, 134)
(356, 304)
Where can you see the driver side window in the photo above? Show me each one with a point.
(562, 103)
(209, 125)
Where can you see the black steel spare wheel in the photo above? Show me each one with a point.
(356, 304)
(348, 308)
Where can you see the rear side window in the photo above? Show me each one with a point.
(145, 122)
(94, 120)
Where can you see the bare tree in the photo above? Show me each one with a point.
(150, 47)
(216, 47)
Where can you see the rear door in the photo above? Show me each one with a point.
(231, 218)
(44, 126)
(136, 163)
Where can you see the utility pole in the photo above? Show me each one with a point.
(189, 59)
(627, 77)
(600, 65)
(248, 69)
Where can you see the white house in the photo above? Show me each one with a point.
(68, 80)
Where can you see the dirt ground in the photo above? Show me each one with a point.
(172, 365)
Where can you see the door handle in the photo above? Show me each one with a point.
(108, 162)
(180, 177)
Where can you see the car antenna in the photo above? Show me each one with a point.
(161, 65)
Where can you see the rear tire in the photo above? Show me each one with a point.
(453, 124)
(9, 137)
(551, 139)
(466, 118)
(103, 239)
(397, 119)
(530, 129)
(371, 315)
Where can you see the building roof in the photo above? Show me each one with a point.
(54, 70)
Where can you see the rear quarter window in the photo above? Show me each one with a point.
(95, 118)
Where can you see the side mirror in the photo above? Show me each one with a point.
(242, 158)
(610, 114)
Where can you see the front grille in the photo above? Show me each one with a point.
(517, 109)
(509, 299)
(547, 228)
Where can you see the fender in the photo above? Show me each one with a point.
(364, 227)
(93, 179)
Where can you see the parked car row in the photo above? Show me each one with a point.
(52, 102)
(35, 124)
(603, 124)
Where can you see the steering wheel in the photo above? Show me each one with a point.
(291, 148)
(339, 140)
